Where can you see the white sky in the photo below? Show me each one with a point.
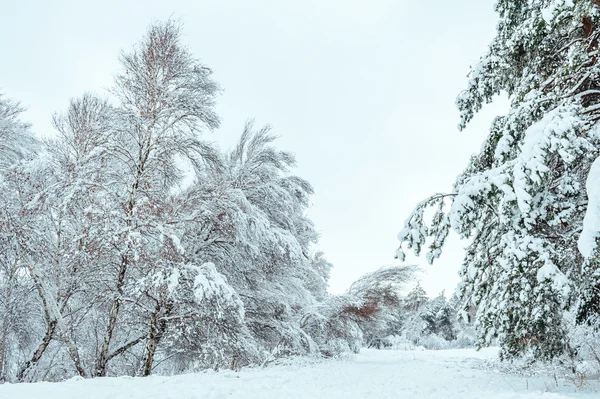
(361, 91)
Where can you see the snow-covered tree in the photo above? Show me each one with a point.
(166, 98)
(17, 147)
(333, 324)
(197, 319)
(380, 297)
(440, 318)
(521, 200)
(258, 235)
(16, 139)
(318, 276)
(364, 315)
(415, 299)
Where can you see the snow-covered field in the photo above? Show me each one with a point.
(376, 374)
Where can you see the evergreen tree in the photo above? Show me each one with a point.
(521, 200)
(415, 299)
(440, 318)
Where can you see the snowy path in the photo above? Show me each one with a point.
(371, 374)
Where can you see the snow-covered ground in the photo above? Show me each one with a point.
(460, 374)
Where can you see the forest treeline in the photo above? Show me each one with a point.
(113, 263)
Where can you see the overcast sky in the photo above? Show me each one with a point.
(361, 91)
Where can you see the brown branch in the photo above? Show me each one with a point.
(126, 347)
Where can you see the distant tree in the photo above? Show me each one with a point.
(380, 296)
(440, 318)
(415, 299)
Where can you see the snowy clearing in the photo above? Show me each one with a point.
(371, 374)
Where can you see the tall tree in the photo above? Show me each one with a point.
(521, 200)
(17, 147)
(166, 99)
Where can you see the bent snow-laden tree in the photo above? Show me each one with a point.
(364, 315)
(380, 299)
(521, 200)
(255, 230)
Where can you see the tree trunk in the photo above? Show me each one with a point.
(104, 356)
(4, 333)
(152, 343)
(54, 315)
(37, 355)
(101, 368)
(157, 330)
